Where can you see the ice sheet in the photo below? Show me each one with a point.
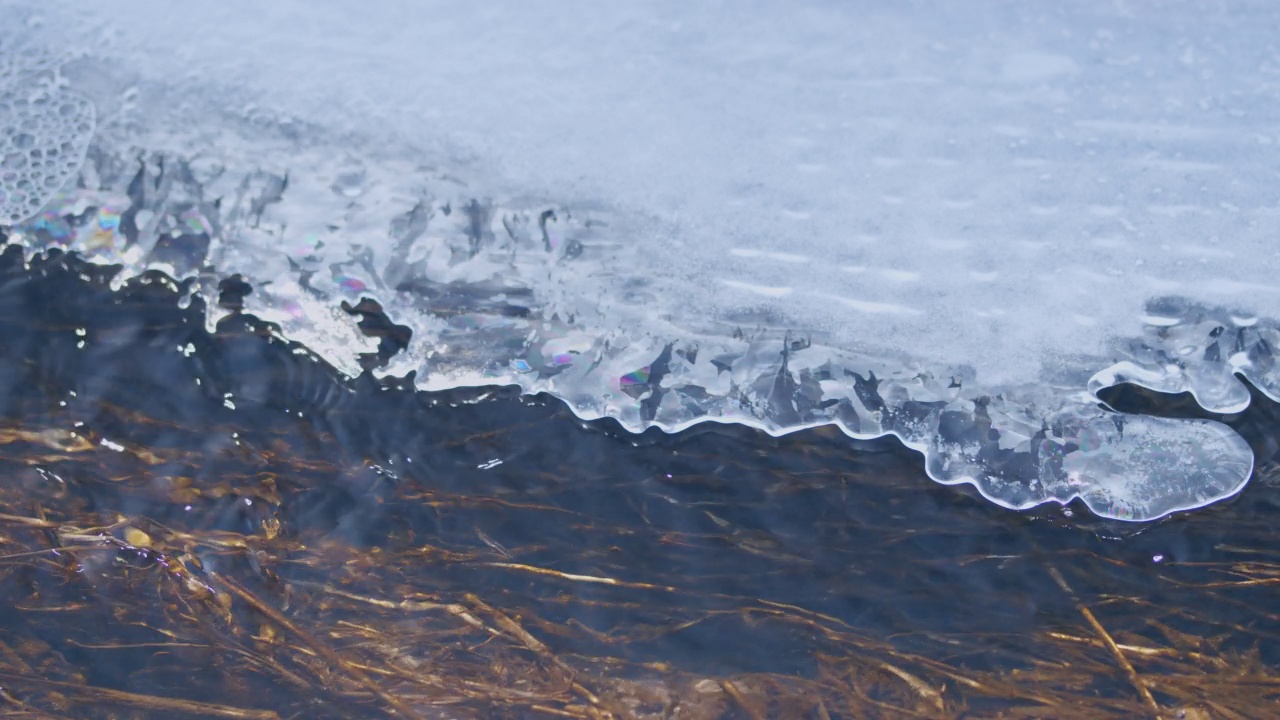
(738, 212)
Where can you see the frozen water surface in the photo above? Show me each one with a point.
(947, 222)
(45, 130)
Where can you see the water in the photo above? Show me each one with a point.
(792, 568)
(483, 364)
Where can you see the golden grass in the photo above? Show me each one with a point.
(277, 623)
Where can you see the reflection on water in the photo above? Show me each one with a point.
(215, 524)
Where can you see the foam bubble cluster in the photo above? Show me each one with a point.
(45, 132)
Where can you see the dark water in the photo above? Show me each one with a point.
(805, 576)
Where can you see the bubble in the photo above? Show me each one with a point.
(46, 134)
(351, 284)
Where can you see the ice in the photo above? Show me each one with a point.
(948, 223)
(44, 131)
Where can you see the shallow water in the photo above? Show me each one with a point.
(719, 552)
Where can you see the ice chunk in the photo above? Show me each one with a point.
(1189, 347)
(1124, 467)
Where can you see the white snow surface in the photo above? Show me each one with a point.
(988, 183)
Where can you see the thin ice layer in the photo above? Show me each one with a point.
(779, 215)
(470, 276)
(1188, 347)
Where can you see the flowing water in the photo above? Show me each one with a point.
(718, 572)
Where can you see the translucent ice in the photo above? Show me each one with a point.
(948, 223)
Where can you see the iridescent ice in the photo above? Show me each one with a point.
(950, 223)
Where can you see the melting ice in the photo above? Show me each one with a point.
(948, 223)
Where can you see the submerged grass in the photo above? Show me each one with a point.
(234, 532)
(278, 623)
